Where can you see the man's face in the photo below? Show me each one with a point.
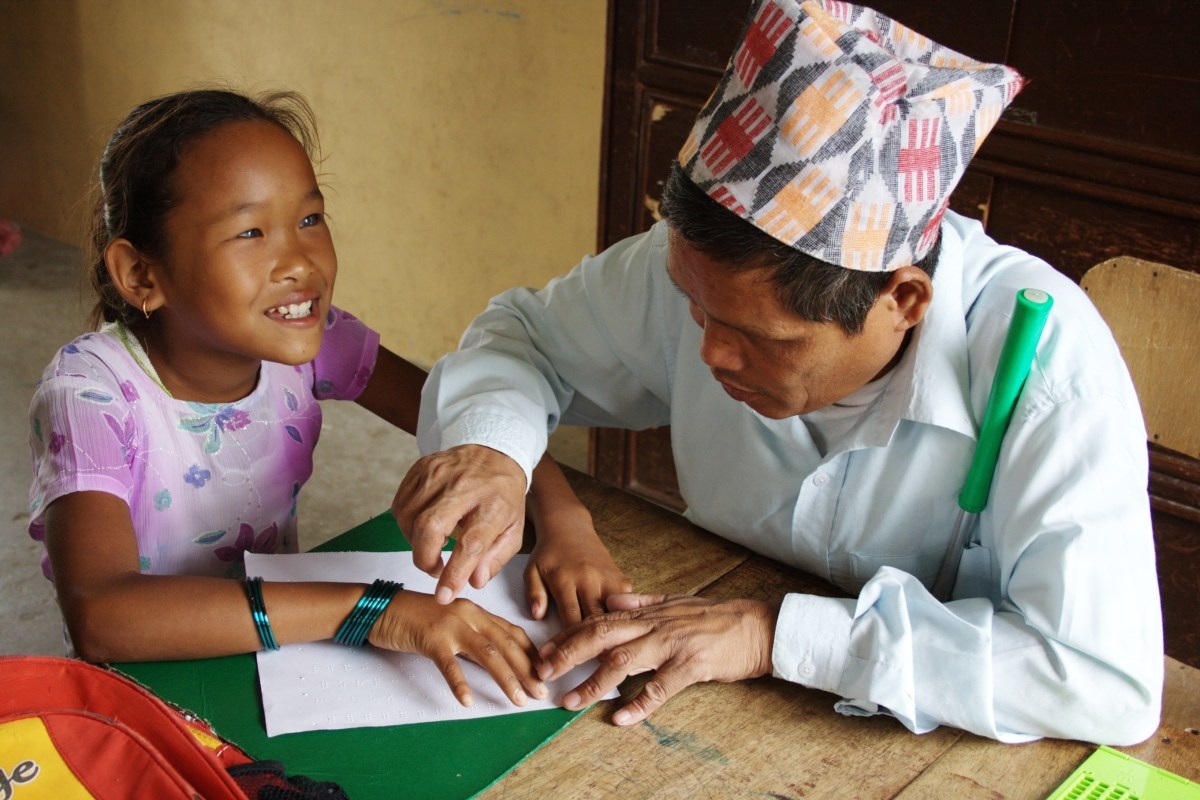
(766, 356)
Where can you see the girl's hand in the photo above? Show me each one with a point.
(416, 623)
(576, 569)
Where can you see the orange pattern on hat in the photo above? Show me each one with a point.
(799, 206)
(819, 112)
(866, 233)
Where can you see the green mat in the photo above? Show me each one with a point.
(454, 759)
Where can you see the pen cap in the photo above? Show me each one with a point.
(1020, 345)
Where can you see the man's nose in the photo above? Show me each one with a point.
(718, 348)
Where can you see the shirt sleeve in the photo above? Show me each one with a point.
(344, 363)
(83, 436)
(594, 347)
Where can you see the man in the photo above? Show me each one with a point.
(822, 342)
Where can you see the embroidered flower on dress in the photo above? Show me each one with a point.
(213, 420)
(197, 477)
(247, 542)
(162, 500)
(57, 440)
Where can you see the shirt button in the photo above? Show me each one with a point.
(820, 479)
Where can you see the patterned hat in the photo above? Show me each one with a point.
(841, 133)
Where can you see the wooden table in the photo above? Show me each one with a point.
(772, 739)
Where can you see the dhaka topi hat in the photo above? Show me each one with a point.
(841, 133)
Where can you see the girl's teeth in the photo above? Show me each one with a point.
(296, 310)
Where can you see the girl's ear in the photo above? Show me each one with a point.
(133, 275)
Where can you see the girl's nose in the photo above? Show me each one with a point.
(293, 262)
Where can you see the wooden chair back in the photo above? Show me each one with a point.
(1154, 313)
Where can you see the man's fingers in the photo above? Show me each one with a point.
(615, 666)
(668, 682)
(588, 640)
(506, 545)
(462, 562)
(427, 533)
(631, 601)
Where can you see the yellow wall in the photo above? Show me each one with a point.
(461, 137)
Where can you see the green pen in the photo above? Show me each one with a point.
(1020, 345)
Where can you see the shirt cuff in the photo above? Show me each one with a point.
(499, 433)
(812, 639)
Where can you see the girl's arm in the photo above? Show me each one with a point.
(394, 390)
(569, 559)
(115, 613)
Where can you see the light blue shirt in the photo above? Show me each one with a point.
(1055, 628)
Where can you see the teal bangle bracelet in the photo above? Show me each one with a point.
(258, 612)
(368, 608)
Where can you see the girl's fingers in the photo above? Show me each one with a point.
(568, 606)
(535, 592)
(451, 670)
(497, 659)
(591, 603)
(631, 601)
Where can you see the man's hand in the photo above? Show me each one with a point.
(473, 493)
(687, 639)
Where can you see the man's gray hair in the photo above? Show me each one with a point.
(813, 289)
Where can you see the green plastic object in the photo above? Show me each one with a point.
(1029, 318)
(1016, 356)
(1109, 774)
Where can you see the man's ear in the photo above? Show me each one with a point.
(133, 275)
(908, 294)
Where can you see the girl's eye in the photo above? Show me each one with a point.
(253, 233)
(310, 220)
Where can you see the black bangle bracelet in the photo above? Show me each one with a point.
(368, 608)
(258, 611)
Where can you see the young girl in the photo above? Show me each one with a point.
(177, 436)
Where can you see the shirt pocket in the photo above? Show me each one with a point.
(922, 565)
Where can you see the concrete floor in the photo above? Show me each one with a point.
(45, 304)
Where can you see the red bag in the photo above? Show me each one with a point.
(69, 729)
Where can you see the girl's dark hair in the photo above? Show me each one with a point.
(811, 288)
(135, 184)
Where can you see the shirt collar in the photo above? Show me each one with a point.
(929, 385)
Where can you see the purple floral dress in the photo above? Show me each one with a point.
(205, 483)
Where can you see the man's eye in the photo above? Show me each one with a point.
(253, 233)
(310, 220)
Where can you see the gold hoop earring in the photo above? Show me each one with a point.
(144, 311)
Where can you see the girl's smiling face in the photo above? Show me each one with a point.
(249, 266)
